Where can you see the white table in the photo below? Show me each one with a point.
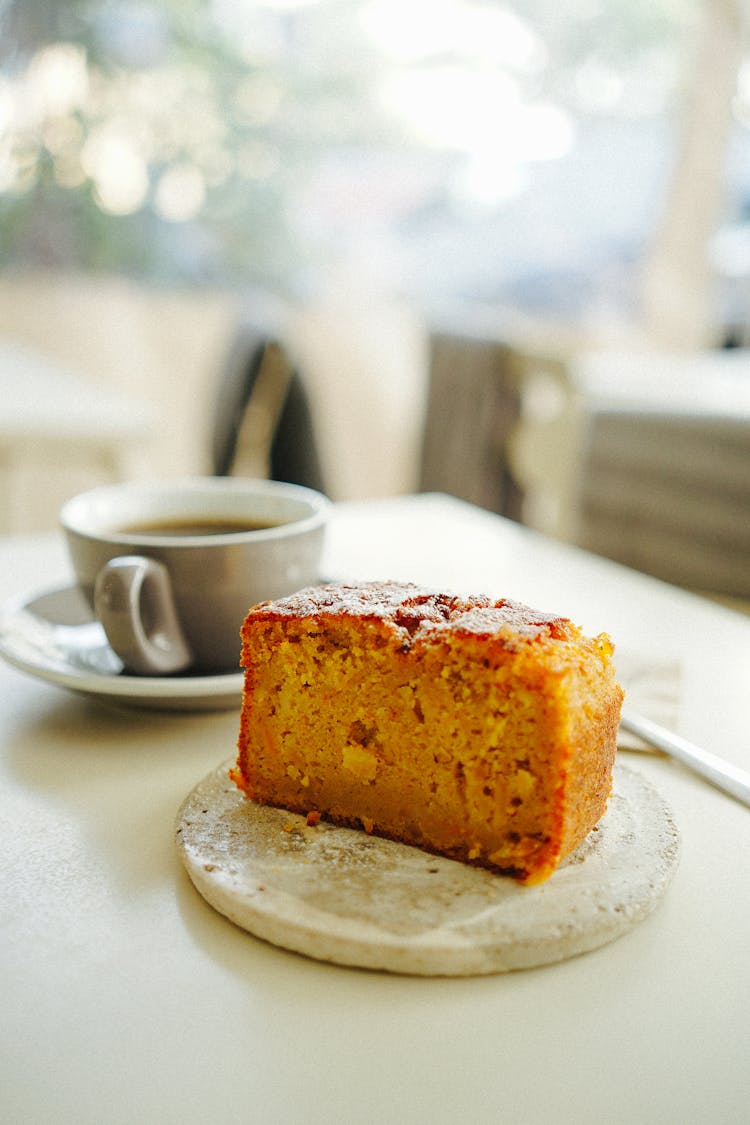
(57, 427)
(126, 999)
(645, 458)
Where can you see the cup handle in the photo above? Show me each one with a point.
(134, 602)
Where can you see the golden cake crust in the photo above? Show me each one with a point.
(416, 611)
(476, 728)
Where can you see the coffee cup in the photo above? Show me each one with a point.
(171, 567)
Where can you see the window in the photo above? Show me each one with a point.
(491, 152)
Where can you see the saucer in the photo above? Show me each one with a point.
(54, 637)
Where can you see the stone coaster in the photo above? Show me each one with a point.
(339, 895)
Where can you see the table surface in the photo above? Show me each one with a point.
(127, 999)
(704, 388)
(42, 400)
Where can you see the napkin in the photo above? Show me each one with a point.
(652, 689)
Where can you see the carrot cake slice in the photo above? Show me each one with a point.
(477, 729)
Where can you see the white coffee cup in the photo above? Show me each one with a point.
(171, 567)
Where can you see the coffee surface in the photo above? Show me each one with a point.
(180, 528)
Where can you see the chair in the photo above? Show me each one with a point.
(473, 406)
(263, 424)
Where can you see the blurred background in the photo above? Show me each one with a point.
(493, 248)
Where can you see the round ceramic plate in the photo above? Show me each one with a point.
(339, 895)
(54, 637)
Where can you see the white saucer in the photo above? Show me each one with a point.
(339, 895)
(54, 637)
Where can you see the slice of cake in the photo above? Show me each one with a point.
(478, 729)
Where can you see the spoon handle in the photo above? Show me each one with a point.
(731, 779)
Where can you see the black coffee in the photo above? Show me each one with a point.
(179, 528)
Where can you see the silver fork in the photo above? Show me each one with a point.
(725, 776)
